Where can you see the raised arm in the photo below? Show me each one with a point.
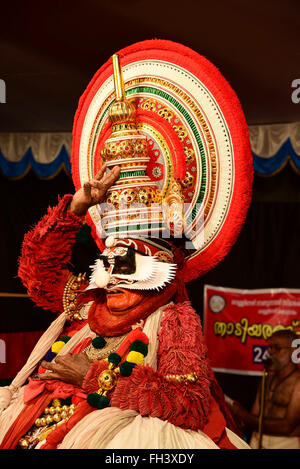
(47, 248)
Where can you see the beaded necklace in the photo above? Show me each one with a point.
(54, 415)
(101, 347)
(137, 342)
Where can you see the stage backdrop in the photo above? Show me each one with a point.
(238, 324)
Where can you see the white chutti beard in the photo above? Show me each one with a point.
(150, 274)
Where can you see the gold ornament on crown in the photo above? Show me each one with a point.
(174, 208)
(128, 148)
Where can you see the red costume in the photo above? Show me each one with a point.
(181, 347)
(185, 120)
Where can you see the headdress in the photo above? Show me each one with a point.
(176, 128)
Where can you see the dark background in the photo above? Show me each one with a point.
(48, 53)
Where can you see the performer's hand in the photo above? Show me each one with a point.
(69, 368)
(94, 190)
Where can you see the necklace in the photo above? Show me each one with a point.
(137, 343)
(112, 343)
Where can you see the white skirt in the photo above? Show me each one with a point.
(112, 428)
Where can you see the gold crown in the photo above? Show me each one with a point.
(134, 200)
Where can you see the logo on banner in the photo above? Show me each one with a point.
(217, 303)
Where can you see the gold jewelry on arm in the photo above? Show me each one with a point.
(70, 296)
(189, 378)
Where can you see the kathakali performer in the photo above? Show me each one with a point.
(162, 168)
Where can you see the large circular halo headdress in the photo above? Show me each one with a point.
(197, 137)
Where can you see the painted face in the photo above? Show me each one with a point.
(280, 353)
(120, 300)
(131, 273)
(127, 274)
(124, 267)
(120, 261)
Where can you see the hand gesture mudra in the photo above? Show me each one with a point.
(70, 368)
(93, 191)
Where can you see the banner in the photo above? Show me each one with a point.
(238, 324)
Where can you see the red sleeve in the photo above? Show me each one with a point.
(181, 351)
(46, 251)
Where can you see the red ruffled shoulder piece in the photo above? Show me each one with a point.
(181, 345)
(183, 342)
(46, 251)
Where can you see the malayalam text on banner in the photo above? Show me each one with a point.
(239, 323)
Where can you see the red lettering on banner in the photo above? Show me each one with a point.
(239, 323)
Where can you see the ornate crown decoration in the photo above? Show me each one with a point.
(135, 204)
(181, 140)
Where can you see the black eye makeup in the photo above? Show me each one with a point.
(123, 265)
(104, 259)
